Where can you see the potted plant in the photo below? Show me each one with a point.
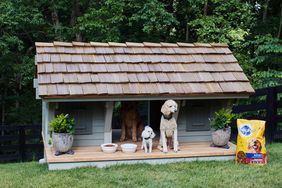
(62, 129)
(221, 130)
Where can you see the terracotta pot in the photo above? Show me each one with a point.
(62, 142)
(221, 137)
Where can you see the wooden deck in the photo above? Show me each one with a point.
(94, 154)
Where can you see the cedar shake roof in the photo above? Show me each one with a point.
(66, 70)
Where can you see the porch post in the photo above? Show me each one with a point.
(108, 122)
(45, 114)
(48, 113)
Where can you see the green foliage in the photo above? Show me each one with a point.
(62, 124)
(102, 22)
(228, 22)
(119, 20)
(221, 119)
(236, 22)
(268, 52)
(268, 61)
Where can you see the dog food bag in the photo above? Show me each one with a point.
(251, 142)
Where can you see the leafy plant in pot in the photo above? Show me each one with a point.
(62, 130)
(221, 130)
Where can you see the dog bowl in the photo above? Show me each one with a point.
(109, 147)
(128, 148)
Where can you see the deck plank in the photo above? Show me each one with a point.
(92, 154)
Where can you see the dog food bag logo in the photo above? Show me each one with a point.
(251, 142)
(245, 130)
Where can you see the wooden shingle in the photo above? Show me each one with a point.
(40, 68)
(85, 67)
(70, 78)
(72, 67)
(49, 67)
(134, 44)
(43, 90)
(95, 78)
(84, 78)
(59, 67)
(63, 89)
(38, 58)
(138, 69)
(44, 79)
(52, 89)
(228, 76)
(75, 89)
(152, 77)
(56, 78)
(142, 78)
(132, 77)
(89, 89)
(76, 58)
(65, 57)
(240, 76)
(98, 67)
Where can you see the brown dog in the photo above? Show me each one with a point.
(131, 122)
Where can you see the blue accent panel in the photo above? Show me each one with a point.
(254, 155)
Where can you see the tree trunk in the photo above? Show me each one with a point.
(264, 16)
(56, 22)
(187, 30)
(206, 8)
(280, 24)
(74, 14)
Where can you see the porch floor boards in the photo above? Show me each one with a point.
(94, 153)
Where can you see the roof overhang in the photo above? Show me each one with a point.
(144, 98)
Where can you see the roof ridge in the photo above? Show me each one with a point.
(129, 44)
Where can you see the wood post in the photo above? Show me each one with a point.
(108, 122)
(22, 143)
(271, 123)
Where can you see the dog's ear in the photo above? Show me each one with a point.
(143, 134)
(153, 134)
(165, 110)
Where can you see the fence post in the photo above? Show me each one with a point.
(271, 112)
(22, 142)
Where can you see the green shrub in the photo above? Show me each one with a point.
(62, 124)
(221, 119)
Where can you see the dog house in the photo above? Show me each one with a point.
(86, 80)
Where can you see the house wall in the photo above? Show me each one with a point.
(90, 121)
(193, 119)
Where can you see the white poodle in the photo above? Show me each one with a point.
(168, 127)
(147, 139)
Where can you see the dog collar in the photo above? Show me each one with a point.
(168, 117)
(147, 138)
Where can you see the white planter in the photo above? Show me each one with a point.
(62, 142)
(221, 137)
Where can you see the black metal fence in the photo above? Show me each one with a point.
(20, 143)
(266, 104)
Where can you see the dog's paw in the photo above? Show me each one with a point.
(134, 139)
(165, 150)
(122, 139)
(175, 150)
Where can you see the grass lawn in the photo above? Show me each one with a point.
(184, 174)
